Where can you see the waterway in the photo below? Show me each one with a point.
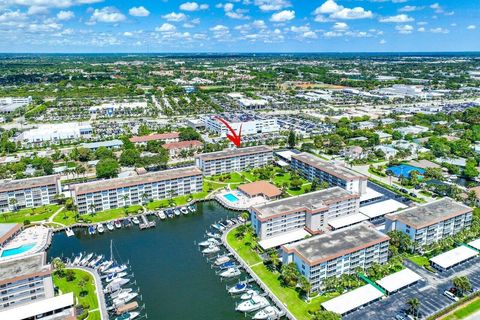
(175, 280)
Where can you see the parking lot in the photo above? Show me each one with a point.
(429, 292)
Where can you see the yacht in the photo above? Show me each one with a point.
(214, 235)
(119, 292)
(118, 224)
(218, 227)
(211, 249)
(127, 222)
(162, 215)
(116, 269)
(169, 213)
(94, 262)
(128, 316)
(192, 208)
(110, 226)
(184, 210)
(226, 265)
(117, 283)
(91, 230)
(221, 260)
(177, 212)
(238, 288)
(253, 304)
(230, 273)
(114, 276)
(85, 260)
(135, 220)
(105, 265)
(124, 298)
(209, 242)
(77, 259)
(249, 294)
(269, 312)
(100, 228)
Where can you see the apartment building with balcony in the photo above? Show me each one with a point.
(431, 222)
(234, 160)
(310, 212)
(28, 193)
(313, 168)
(338, 252)
(119, 192)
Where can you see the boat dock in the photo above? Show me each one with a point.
(145, 224)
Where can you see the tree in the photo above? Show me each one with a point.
(188, 133)
(413, 306)
(84, 154)
(470, 170)
(107, 168)
(292, 139)
(326, 315)
(103, 152)
(13, 202)
(463, 284)
(400, 240)
(305, 285)
(130, 157)
(396, 135)
(289, 274)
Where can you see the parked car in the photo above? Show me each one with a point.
(450, 295)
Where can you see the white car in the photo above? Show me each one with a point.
(450, 295)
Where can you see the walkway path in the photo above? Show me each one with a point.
(50, 219)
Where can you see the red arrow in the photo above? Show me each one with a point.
(236, 139)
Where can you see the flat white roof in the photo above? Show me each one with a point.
(38, 307)
(475, 244)
(370, 194)
(347, 220)
(287, 154)
(454, 256)
(398, 280)
(382, 208)
(352, 300)
(283, 239)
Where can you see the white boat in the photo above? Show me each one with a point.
(119, 292)
(238, 288)
(118, 224)
(177, 212)
(110, 226)
(192, 208)
(268, 313)
(114, 276)
(218, 227)
(69, 232)
(253, 304)
(116, 269)
(248, 294)
(117, 283)
(209, 242)
(105, 265)
(211, 249)
(221, 260)
(214, 235)
(135, 220)
(100, 228)
(184, 210)
(77, 259)
(230, 273)
(85, 260)
(162, 215)
(95, 261)
(120, 301)
(128, 316)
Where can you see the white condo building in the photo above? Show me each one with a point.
(119, 192)
(431, 222)
(234, 160)
(314, 168)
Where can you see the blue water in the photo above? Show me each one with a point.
(18, 250)
(403, 170)
(230, 197)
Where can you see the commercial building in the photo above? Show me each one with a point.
(234, 160)
(431, 222)
(314, 168)
(55, 133)
(339, 252)
(110, 144)
(165, 137)
(119, 192)
(175, 149)
(10, 104)
(260, 188)
(28, 193)
(311, 211)
(250, 124)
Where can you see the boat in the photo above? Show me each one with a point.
(221, 260)
(169, 213)
(192, 208)
(110, 226)
(124, 298)
(214, 235)
(162, 215)
(209, 242)
(69, 232)
(114, 276)
(218, 227)
(248, 294)
(184, 210)
(135, 220)
(241, 219)
(94, 262)
(85, 260)
(128, 307)
(117, 293)
(240, 287)
(100, 228)
(117, 283)
(105, 265)
(118, 224)
(177, 212)
(230, 273)
(226, 265)
(268, 313)
(77, 259)
(116, 269)
(127, 222)
(211, 249)
(253, 304)
(128, 316)
(91, 230)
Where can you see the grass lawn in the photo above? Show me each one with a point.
(73, 286)
(300, 191)
(250, 176)
(233, 177)
(242, 247)
(465, 311)
(95, 315)
(419, 260)
(68, 217)
(31, 214)
(179, 201)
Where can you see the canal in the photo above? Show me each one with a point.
(175, 280)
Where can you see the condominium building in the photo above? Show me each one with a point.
(338, 252)
(431, 222)
(314, 168)
(250, 124)
(119, 192)
(234, 160)
(26, 290)
(311, 211)
(28, 193)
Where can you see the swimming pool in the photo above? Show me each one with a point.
(403, 170)
(17, 250)
(230, 197)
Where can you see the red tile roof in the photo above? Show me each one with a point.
(183, 145)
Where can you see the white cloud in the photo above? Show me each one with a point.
(166, 27)
(139, 12)
(409, 8)
(219, 27)
(283, 16)
(340, 26)
(48, 3)
(37, 10)
(175, 17)
(472, 27)
(272, 5)
(65, 15)
(220, 32)
(303, 32)
(439, 30)
(404, 29)
(421, 29)
(336, 11)
(329, 6)
(128, 34)
(107, 15)
(193, 6)
(437, 7)
(400, 18)
(383, 41)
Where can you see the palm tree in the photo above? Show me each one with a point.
(144, 197)
(413, 306)
(13, 202)
(462, 284)
(92, 208)
(125, 198)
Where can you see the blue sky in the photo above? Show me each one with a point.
(239, 26)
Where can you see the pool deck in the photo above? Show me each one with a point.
(243, 202)
(40, 236)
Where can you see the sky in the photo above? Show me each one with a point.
(97, 26)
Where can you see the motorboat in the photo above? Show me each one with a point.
(214, 235)
(118, 224)
(226, 265)
(184, 210)
(69, 232)
(105, 265)
(269, 312)
(162, 215)
(113, 276)
(230, 273)
(177, 212)
(127, 222)
(128, 316)
(124, 298)
(100, 228)
(110, 226)
(240, 287)
(241, 219)
(86, 259)
(119, 292)
(91, 230)
(94, 262)
(135, 220)
(192, 208)
(221, 260)
(248, 294)
(169, 213)
(211, 249)
(218, 227)
(117, 283)
(116, 269)
(77, 259)
(209, 242)
(253, 304)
